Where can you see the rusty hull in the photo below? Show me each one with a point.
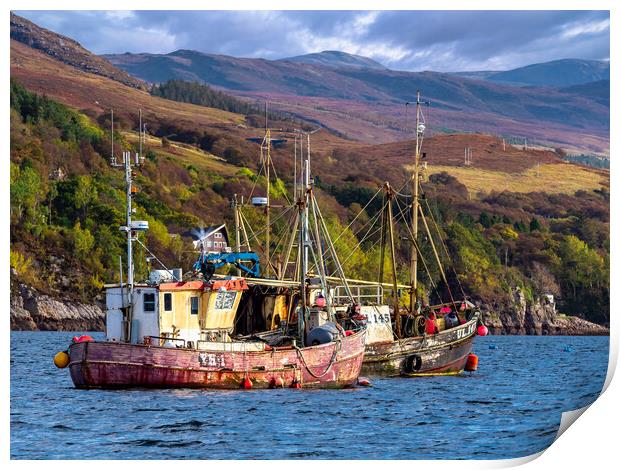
(121, 365)
(444, 353)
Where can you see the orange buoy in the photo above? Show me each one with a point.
(482, 330)
(246, 383)
(472, 363)
(61, 359)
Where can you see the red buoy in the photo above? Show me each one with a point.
(430, 327)
(364, 382)
(472, 363)
(246, 383)
(295, 384)
(482, 330)
(82, 339)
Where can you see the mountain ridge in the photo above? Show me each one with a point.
(360, 101)
(67, 50)
(555, 73)
(336, 59)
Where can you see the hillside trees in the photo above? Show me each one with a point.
(66, 201)
(543, 243)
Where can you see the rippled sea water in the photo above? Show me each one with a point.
(510, 408)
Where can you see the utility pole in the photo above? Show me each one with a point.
(112, 158)
(140, 133)
(467, 156)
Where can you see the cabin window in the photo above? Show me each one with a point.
(168, 302)
(194, 305)
(149, 302)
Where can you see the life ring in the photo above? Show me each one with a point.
(413, 363)
(409, 327)
(419, 324)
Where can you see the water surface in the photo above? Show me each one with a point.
(510, 408)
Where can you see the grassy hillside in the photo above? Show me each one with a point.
(550, 178)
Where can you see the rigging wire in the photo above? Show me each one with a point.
(445, 248)
(404, 210)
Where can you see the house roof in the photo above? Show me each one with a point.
(201, 233)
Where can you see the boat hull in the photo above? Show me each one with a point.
(444, 353)
(122, 365)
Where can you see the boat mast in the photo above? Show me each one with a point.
(235, 205)
(127, 160)
(303, 250)
(306, 223)
(126, 164)
(267, 143)
(415, 206)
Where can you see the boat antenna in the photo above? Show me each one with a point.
(131, 229)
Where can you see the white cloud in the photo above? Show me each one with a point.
(403, 40)
(579, 29)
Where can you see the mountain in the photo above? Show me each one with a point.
(67, 50)
(240, 74)
(557, 73)
(368, 103)
(336, 59)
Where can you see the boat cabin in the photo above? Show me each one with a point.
(174, 313)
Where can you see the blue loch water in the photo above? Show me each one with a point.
(510, 408)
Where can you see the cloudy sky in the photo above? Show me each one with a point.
(411, 40)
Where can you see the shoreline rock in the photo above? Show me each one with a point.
(32, 311)
(536, 318)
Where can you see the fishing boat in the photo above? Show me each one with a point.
(420, 340)
(407, 340)
(174, 331)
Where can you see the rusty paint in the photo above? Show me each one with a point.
(235, 284)
(122, 365)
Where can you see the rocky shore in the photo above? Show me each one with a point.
(538, 317)
(33, 311)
